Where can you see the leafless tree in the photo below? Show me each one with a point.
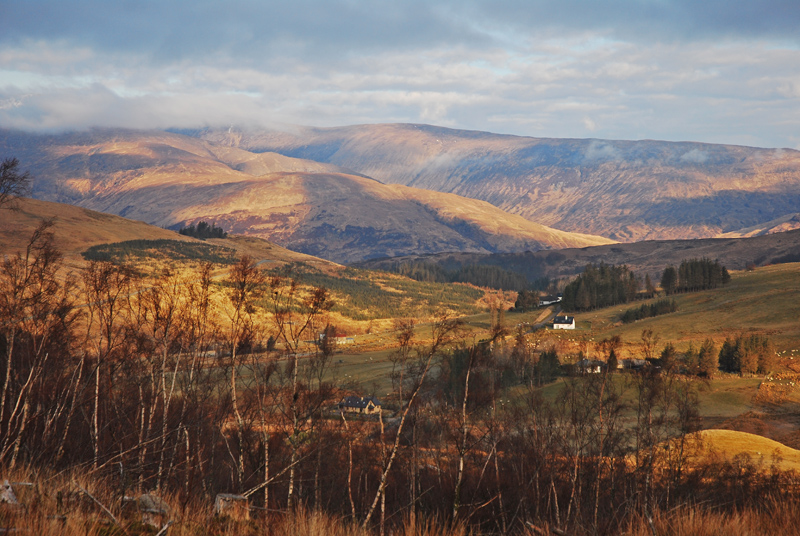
(294, 312)
(441, 331)
(107, 289)
(37, 312)
(13, 183)
(244, 287)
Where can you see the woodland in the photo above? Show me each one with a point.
(188, 385)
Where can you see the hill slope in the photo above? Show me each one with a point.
(77, 229)
(785, 223)
(646, 257)
(626, 190)
(169, 180)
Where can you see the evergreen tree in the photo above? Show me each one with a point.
(669, 280)
(691, 360)
(708, 359)
(526, 300)
(753, 354)
(549, 366)
(600, 286)
(612, 362)
(649, 287)
(668, 357)
(729, 360)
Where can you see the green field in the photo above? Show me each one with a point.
(766, 300)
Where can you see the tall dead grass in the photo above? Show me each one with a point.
(778, 517)
(59, 504)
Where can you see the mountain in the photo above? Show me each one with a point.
(785, 223)
(169, 180)
(625, 190)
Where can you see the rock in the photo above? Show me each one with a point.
(233, 506)
(155, 511)
(7, 495)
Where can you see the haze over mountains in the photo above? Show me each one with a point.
(624, 190)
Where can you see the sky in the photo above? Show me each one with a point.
(717, 71)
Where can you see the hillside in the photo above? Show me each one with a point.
(729, 443)
(625, 190)
(170, 180)
(765, 300)
(76, 229)
(785, 223)
(647, 257)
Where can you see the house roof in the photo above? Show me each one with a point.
(564, 320)
(356, 402)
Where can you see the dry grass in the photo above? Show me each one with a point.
(729, 444)
(778, 518)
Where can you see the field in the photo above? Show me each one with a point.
(765, 300)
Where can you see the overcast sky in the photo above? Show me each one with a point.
(719, 71)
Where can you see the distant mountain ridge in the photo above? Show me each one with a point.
(645, 257)
(785, 223)
(625, 190)
(168, 179)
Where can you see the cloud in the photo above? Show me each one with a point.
(695, 156)
(598, 151)
(623, 69)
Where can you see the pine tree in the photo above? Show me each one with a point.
(669, 280)
(668, 357)
(708, 359)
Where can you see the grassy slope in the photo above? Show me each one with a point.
(730, 443)
(766, 300)
(77, 229)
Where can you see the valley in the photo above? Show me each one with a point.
(243, 350)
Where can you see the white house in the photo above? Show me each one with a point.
(564, 322)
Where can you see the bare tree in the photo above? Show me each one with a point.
(13, 183)
(244, 287)
(108, 290)
(295, 313)
(36, 316)
(441, 330)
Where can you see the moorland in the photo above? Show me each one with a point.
(154, 382)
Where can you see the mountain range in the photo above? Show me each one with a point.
(354, 193)
(171, 180)
(624, 190)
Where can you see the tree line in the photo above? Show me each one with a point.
(649, 310)
(480, 275)
(203, 230)
(693, 275)
(600, 286)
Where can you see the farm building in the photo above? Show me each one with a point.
(564, 322)
(354, 404)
